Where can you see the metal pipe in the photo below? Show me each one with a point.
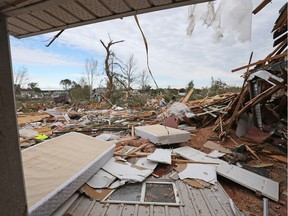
(265, 207)
(257, 108)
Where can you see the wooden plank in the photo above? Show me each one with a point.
(186, 98)
(279, 158)
(261, 61)
(261, 6)
(138, 148)
(252, 152)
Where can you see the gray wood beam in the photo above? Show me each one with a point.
(12, 188)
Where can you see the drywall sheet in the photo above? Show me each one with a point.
(257, 183)
(161, 135)
(125, 171)
(56, 168)
(199, 171)
(101, 179)
(161, 156)
(145, 163)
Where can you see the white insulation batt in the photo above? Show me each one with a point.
(56, 168)
(161, 135)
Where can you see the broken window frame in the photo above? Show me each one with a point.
(143, 192)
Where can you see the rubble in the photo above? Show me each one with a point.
(200, 145)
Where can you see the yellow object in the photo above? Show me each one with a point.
(41, 137)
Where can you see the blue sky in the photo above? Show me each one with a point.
(175, 58)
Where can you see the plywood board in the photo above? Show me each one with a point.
(257, 183)
(161, 135)
(31, 117)
(56, 168)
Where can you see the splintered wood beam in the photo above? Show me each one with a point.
(283, 43)
(261, 6)
(261, 61)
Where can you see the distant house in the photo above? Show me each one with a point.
(26, 93)
(29, 94)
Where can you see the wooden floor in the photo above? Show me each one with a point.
(202, 202)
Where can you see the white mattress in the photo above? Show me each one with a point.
(56, 168)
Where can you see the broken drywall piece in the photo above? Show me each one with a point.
(214, 146)
(161, 156)
(199, 171)
(265, 186)
(161, 135)
(117, 184)
(107, 137)
(101, 179)
(145, 163)
(215, 154)
(124, 171)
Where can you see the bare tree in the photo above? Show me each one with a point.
(91, 73)
(21, 77)
(109, 66)
(129, 71)
(144, 79)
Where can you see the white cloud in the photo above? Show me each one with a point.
(38, 57)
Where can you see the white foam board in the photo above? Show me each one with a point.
(161, 135)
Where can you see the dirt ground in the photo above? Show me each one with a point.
(245, 199)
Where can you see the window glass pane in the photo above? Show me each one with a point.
(129, 192)
(159, 193)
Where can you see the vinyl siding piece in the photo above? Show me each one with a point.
(161, 135)
(257, 183)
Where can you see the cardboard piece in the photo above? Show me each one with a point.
(214, 146)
